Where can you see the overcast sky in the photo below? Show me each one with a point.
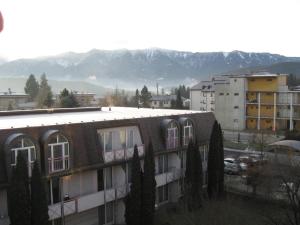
(47, 27)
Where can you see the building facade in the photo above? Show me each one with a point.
(11, 100)
(163, 101)
(202, 95)
(85, 154)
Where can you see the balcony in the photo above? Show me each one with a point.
(58, 164)
(86, 202)
(122, 154)
(55, 210)
(171, 175)
(172, 142)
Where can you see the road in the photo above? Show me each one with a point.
(235, 153)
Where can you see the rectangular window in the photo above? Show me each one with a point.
(122, 134)
(109, 212)
(162, 164)
(162, 194)
(236, 107)
(236, 94)
(130, 138)
(221, 93)
(108, 177)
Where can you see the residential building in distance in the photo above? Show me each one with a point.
(85, 99)
(85, 155)
(12, 100)
(255, 102)
(202, 95)
(163, 101)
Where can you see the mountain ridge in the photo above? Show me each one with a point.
(133, 68)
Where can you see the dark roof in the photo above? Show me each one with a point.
(84, 143)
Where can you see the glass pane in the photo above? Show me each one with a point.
(53, 139)
(27, 142)
(109, 212)
(130, 139)
(108, 141)
(166, 193)
(61, 138)
(49, 152)
(57, 151)
(108, 176)
(165, 163)
(160, 164)
(160, 194)
(17, 143)
(101, 137)
(13, 157)
(66, 149)
(123, 138)
(32, 154)
(101, 212)
(24, 153)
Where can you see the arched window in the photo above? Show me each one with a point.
(58, 153)
(172, 135)
(188, 132)
(25, 147)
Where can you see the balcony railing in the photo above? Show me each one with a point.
(169, 176)
(172, 143)
(58, 164)
(122, 154)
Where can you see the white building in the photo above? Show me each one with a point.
(85, 156)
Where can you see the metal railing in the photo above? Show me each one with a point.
(122, 154)
(58, 164)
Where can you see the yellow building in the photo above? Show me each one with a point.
(269, 104)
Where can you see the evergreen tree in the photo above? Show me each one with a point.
(193, 177)
(137, 98)
(215, 165)
(145, 96)
(19, 195)
(44, 97)
(67, 99)
(31, 87)
(221, 164)
(179, 103)
(133, 201)
(39, 205)
(149, 184)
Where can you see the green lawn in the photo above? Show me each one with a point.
(235, 210)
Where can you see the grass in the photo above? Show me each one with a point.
(235, 210)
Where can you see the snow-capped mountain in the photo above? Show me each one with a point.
(137, 67)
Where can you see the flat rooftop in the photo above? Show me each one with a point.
(105, 114)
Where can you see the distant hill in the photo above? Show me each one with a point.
(134, 68)
(284, 67)
(17, 85)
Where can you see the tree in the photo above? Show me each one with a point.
(215, 164)
(149, 184)
(19, 206)
(145, 96)
(31, 87)
(133, 201)
(193, 177)
(137, 98)
(44, 97)
(67, 99)
(39, 206)
(179, 103)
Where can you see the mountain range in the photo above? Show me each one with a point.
(134, 68)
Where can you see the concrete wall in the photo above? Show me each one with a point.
(204, 101)
(80, 184)
(89, 217)
(230, 104)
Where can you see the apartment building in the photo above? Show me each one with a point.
(85, 154)
(12, 100)
(163, 101)
(202, 95)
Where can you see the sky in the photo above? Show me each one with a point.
(34, 28)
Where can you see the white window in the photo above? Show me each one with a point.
(162, 164)
(187, 132)
(58, 153)
(204, 152)
(106, 141)
(162, 194)
(26, 148)
(172, 139)
(108, 178)
(130, 133)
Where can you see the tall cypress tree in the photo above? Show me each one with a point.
(149, 184)
(19, 194)
(189, 176)
(197, 177)
(133, 201)
(212, 164)
(215, 165)
(221, 164)
(39, 206)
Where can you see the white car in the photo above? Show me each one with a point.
(231, 166)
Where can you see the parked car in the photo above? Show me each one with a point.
(231, 166)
